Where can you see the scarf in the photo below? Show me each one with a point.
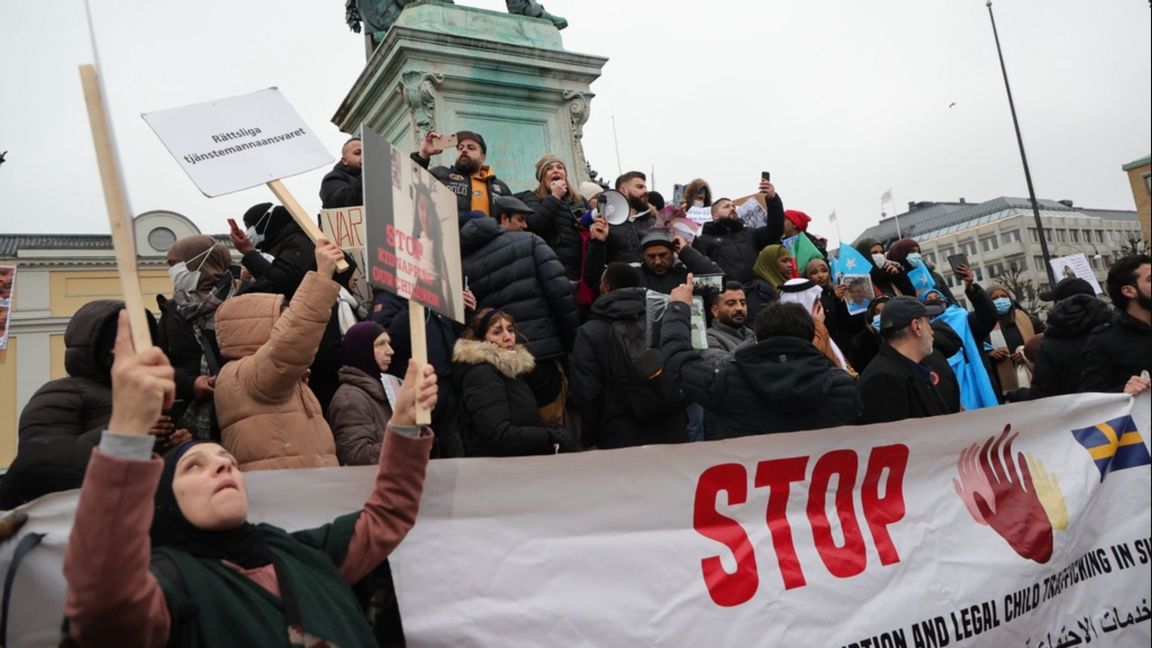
(356, 349)
(976, 389)
(766, 266)
(316, 606)
(481, 201)
(806, 293)
(242, 545)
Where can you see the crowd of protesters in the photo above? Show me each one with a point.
(579, 335)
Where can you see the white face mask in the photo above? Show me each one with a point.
(185, 281)
(915, 260)
(253, 235)
(698, 203)
(879, 260)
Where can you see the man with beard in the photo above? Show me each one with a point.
(732, 244)
(729, 314)
(342, 187)
(473, 181)
(623, 243)
(1117, 353)
(665, 260)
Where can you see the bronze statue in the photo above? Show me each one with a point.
(379, 15)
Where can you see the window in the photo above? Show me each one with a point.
(1061, 236)
(968, 248)
(979, 273)
(1038, 262)
(1099, 236)
(989, 244)
(1074, 235)
(1032, 235)
(1095, 261)
(946, 252)
(930, 258)
(1010, 237)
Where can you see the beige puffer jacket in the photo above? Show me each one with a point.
(268, 416)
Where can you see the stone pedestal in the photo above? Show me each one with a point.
(448, 68)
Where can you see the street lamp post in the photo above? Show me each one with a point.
(1023, 157)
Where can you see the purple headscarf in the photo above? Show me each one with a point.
(356, 348)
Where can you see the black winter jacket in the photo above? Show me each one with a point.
(440, 335)
(341, 187)
(781, 384)
(461, 185)
(607, 423)
(1114, 353)
(689, 259)
(518, 273)
(558, 223)
(759, 294)
(734, 247)
(1059, 361)
(894, 388)
(624, 241)
(498, 412)
(63, 420)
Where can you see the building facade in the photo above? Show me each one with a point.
(1140, 178)
(1000, 234)
(55, 276)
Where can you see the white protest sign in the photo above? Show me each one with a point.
(899, 534)
(699, 215)
(239, 142)
(1075, 265)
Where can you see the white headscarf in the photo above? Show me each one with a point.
(807, 293)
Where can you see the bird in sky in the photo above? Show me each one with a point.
(2, 156)
(952, 104)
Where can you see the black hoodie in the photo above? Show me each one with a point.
(606, 421)
(781, 384)
(1060, 358)
(64, 418)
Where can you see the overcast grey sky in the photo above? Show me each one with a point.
(839, 99)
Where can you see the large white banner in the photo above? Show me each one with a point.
(1023, 525)
(239, 142)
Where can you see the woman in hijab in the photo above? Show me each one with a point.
(841, 324)
(499, 415)
(807, 293)
(1014, 327)
(906, 253)
(887, 276)
(201, 280)
(161, 552)
(362, 406)
(772, 268)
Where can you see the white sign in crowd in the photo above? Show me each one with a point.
(929, 532)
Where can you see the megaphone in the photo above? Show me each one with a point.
(613, 206)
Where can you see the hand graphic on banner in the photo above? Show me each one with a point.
(1014, 510)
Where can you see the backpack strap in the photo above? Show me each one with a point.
(26, 544)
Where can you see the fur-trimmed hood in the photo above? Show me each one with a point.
(516, 362)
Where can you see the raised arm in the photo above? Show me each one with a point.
(390, 511)
(112, 597)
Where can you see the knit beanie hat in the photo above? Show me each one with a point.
(798, 218)
(544, 162)
(656, 236)
(589, 190)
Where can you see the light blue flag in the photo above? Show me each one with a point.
(921, 279)
(976, 389)
(850, 261)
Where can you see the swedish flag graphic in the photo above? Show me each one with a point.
(1114, 445)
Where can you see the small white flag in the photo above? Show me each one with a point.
(832, 218)
(887, 197)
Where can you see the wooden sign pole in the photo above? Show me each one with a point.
(116, 202)
(418, 333)
(300, 216)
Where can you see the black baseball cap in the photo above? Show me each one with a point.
(475, 137)
(1067, 287)
(899, 312)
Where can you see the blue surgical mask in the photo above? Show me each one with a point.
(876, 322)
(1003, 305)
(915, 260)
